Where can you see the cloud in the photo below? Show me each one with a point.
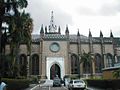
(83, 14)
(85, 11)
(41, 12)
(99, 8)
(110, 9)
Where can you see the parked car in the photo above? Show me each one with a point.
(56, 82)
(76, 84)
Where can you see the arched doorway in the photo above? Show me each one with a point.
(55, 70)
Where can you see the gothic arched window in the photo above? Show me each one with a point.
(74, 64)
(23, 65)
(35, 64)
(109, 62)
(98, 63)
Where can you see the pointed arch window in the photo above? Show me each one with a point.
(109, 62)
(35, 64)
(86, 68)
(74, 64)
(98, 63)
(23, 65)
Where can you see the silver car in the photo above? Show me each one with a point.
(56, 82)
(76, 84)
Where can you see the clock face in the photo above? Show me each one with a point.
(54, 47)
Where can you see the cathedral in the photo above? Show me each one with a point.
(53, 53)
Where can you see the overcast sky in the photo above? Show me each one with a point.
(97, 15)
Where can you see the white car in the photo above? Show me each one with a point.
(76, 84)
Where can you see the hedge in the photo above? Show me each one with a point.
(16, 84)
(105, 84)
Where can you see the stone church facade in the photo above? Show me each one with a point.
(59, 54)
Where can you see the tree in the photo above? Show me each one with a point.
(5, 15)
(20, 28)
(116, 73)
(87, 59)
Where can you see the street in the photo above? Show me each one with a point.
(49, 88)
(48, 85)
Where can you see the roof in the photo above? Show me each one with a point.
(73, 38)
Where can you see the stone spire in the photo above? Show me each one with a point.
(42, 30)
(101, 35)
(59, 30)
(67, 30)
(111, 34)
(52, 27)
(78, 34)
(45, 29)
(90, 35)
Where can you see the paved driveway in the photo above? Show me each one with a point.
(48, 86)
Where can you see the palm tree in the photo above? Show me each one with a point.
(87, 59)
(20, 27)
(5, 7)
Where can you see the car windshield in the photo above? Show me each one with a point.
(71, 81)
(56, 79)
(78, 81)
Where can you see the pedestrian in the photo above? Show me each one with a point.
(2, 84)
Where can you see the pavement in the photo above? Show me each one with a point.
(92, 88)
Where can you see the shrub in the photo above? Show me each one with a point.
(34, 79)
(105, 84)
(16, 84)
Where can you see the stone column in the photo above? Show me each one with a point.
(93, 67)
(28, 63)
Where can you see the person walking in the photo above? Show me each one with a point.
(2, 84)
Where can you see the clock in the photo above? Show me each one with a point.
(54, 47)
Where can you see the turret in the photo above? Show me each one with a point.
(101, 35)
(90, 42)
(42, 31)
(67, 31)
(111, 34)
(45, 29)
(59, 30)
(90, 35)
(102, 48)
(78, 34)
(79, 43)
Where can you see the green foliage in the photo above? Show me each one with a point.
(16, 84)
(19, 31)
(23, 70)
(112, 84)
(116, 73)
(34, 79)
(87, 59)
(74, 77)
